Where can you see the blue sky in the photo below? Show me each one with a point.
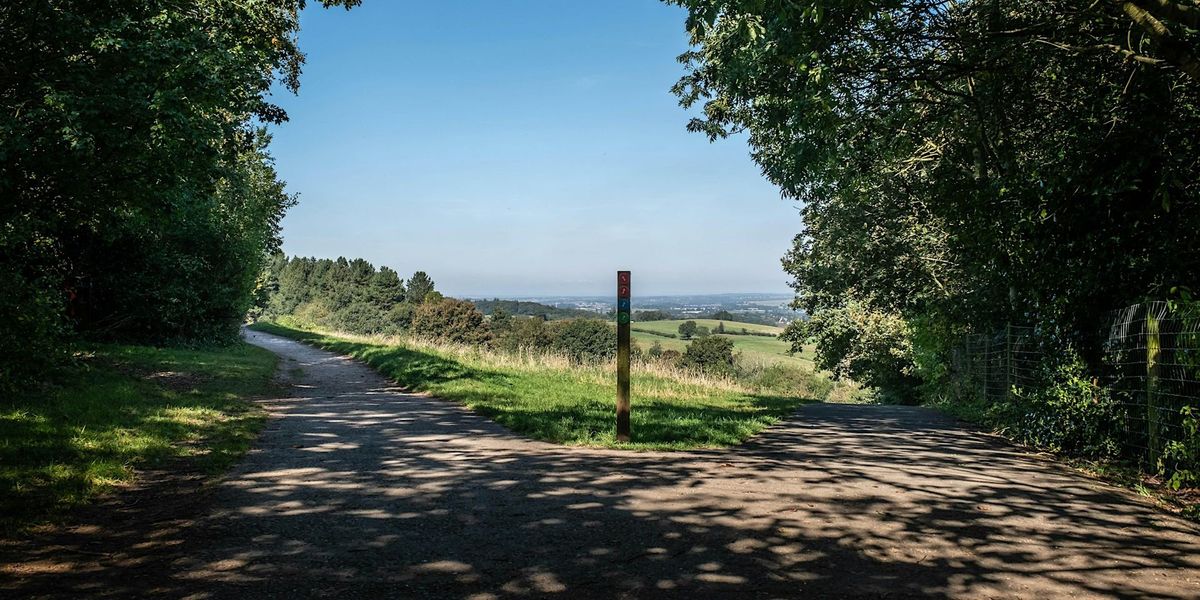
(520, 147)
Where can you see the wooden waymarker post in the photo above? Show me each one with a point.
(623, 318)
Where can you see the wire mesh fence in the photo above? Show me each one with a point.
(1149, 378)
(1152, 352)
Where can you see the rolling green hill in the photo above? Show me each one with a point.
(754, 348)
(670, 327)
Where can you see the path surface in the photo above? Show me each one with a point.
(359, 490)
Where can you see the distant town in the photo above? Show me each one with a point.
(768, 309)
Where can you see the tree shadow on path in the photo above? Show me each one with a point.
(358, 489)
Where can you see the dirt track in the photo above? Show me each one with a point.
(359, 490)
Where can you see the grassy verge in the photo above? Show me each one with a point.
(124, 408)
(547, 398)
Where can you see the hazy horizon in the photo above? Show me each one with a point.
(532, 146)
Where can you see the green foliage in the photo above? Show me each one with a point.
(968, 164)
(531, 309)
(420, 286)
(139, 200)
(723, 315)
(687, 329)
(651, 315)
(122, 408)
(583, 340)
(524, 334)
(711, 354)
(1181, 458)
(867, 346)
(1065, 413)
(359, 317)
(32, 325)
(450, 320)
(570, 404)
(348, 295)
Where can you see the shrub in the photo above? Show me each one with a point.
(789, 380)
(711, 354)
(312, 314)
(584, 340)
(359, 317)
(450, 320)
(1067, 412)
(524, 334)
(398, 319)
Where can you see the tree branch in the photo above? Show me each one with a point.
(1173, 51)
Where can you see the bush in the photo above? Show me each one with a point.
(32, 331)
(869, 346)
(398, 319)
(524, 334)
(359, 317)
(789, 380)
(312, 314)
(450, 320)
(710, 354)
(1065, 413)
(584, 340)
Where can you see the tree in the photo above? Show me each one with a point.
(419, 287)
(720, 327)
(711, 354)
(687, 329)
(139, 201)
(965, 165)
(701, 331)
(656, 350)
(723, 315)
(500, 320)
(651, 315)
(386, 290)
(450, 320)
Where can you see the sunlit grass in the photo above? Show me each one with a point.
(124, 408)
(545, 397)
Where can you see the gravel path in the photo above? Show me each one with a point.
(357, 489)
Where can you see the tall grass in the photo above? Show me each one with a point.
(547, 396)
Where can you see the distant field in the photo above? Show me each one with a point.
(752, 347)
(711, 324)
(548, 398)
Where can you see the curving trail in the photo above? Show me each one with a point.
(357, 489)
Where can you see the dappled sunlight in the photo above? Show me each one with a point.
(392, 494)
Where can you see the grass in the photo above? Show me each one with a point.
(711, 324)
(545, 397)
(754, 349)
(125, 408)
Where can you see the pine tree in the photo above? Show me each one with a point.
(419, 287)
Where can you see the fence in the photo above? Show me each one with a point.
(1150, 373)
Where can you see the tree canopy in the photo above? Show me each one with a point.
(965, 164)
(139, 201)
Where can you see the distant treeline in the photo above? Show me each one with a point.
(532, 309)
(346, 294)
(720, 315)
(354, 296)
